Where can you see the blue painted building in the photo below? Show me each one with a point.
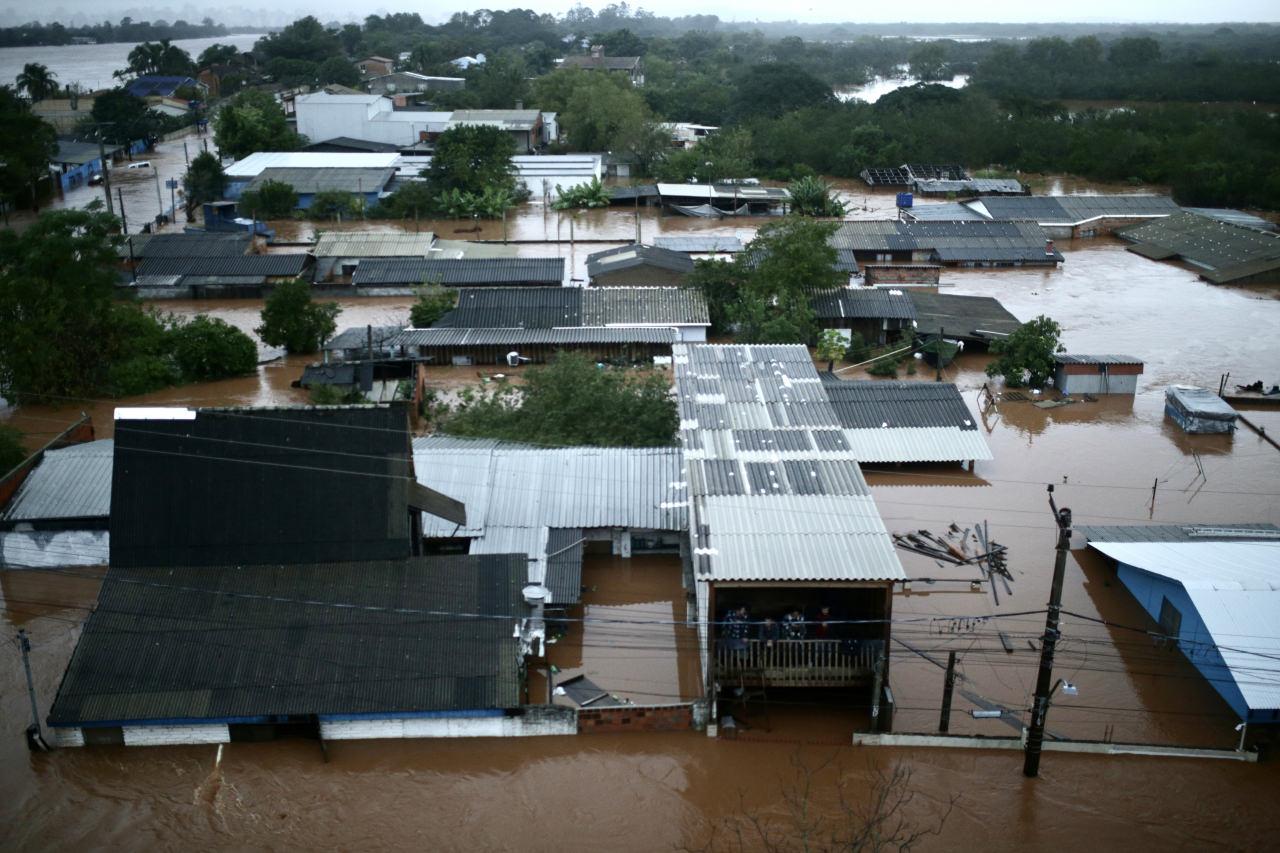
(1220, 602)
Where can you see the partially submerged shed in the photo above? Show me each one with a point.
(1199, 410)
(59, 514)
(1096, 374)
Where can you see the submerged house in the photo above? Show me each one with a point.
(976, 320)
(459, 272)
(781, 521)
(1061, 217)
(876, 315)
(956, 244)
(638, 265)
(1096, 374)
(57, 513)
(1213, 593)
(1223, 252)
(242, 541)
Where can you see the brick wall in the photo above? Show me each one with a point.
(905, 274)
(636, 718)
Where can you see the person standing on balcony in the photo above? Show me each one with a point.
(822, 625)
(793, 625)
(770, 632)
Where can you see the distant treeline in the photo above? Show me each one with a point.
(128, 30)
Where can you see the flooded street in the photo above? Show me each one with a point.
(662, 791)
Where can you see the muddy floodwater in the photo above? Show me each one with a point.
(662, 792)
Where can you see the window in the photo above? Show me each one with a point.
(1170, 620)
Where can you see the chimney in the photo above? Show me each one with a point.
(597, 51)
(400, 101)
(1048, 248)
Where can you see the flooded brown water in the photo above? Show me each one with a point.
(646, 792)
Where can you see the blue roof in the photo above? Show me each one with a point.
(152, 84)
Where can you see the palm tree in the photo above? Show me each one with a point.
(37, 81)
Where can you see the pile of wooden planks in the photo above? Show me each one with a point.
(971, 546)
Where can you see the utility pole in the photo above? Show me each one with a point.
(944, 722)
(124, 223)
(1044, 681)
(35, 738)
(937, 353)
(155, 173)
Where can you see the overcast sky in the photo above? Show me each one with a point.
(930, 11)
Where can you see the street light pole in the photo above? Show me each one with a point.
(1044, 680)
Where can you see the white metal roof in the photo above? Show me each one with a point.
(73, 482)
(254, 164)
(916, 444)
(1235, 587)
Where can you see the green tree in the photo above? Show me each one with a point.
(789, 261)
(776, 88)
(271, 200)
(158, 57)
(598, 112)
(472, 159)
(219, 54)
(12, 453)
(305, 39)
(207, 348)
(589, 195)
(290, 319)
(433, 302)
(409, 201)
(718, 157)
(124, 117)
(205, 181)
(572, 401)
(336, 69)
(334, 204)
(1132, 52)
(720, 283)
(928, 61)
(1026, 356)
(62, 331)
(812, 196)
(253, 121)
(37, 81)
(831, 347)
(27, 145)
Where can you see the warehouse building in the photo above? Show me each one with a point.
(1221, 252)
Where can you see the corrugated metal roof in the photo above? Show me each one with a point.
(634, 256)
(532, 337)
(795, 538)
(238, 265)
(888, 421)
(555, 556)
(1073, 209)
(1235, 588)
(742, 193)
(642, 306)
(346, 244)
(254, 164)
(863, 303)
(699, 244)
(1225, 531)
(576, 487)
(1227, 250)
(212, 245)
(1233, 217)
(1200, 402)
(222, 642)
(455, 272)
(917, 444)
(949, 212)
(777, 493)
(969, 185)
(971, 317)
(1076, 358)
(74, 482)
(357, 337)
(515, 308)
(306, 181)
(955, 241)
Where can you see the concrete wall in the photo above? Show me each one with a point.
(536, 721)
(637, 718)
(1072, 382)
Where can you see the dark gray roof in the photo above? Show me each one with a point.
(249, 486)
(235, 642)
(349, 143)
(567, 307)
(1233, 217)
(458, 272)
(969, 317)
(1202, 532)
(636, 256)
(237, 265)
(1075, 209)
(902, 176)
(564, 564)
(874, 404)
(951, 241)
(579, 336)
(863, 303)
(306, 181)
(78, 153)
(1200, 402)
(210, 245)
(73, 482)
(357, 337)
(1225, 251)
(607, 63)
(636, 192)
(1076, 358)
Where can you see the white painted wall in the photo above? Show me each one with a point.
(324, 118)
(531, 724)
(172, 735)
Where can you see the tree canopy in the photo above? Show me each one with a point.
(269, 200)
(433, 302)
(572, 401)
(290, 319)
(37, 81)
(787, 262)
(471, 159)
(125, 118)
(205, 181)
(158, 57)
(27, 146)
(1026, 356)
(253, 121)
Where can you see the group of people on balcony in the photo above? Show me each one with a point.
(738, 627)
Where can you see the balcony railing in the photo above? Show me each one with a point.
(797, 663)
